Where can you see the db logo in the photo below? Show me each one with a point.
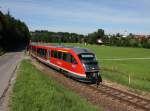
(59, 63)
(73, 66)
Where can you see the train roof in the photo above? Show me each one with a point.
(77, 50)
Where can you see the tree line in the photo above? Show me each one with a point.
(13, 32)
(47, 36)
(119, 40)
(129, 41)
(92, 38)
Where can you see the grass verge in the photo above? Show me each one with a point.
(34, 91)
(135, 83)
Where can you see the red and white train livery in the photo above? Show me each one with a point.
(76, 62)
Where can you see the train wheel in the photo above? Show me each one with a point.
(98, 80)
(60, 70)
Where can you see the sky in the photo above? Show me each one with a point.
(82, 16)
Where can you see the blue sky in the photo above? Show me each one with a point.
(82, 16)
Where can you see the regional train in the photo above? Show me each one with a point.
(78, 63)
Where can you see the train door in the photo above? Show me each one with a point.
(48, 55)
(72, 64)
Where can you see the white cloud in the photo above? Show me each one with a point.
(79, 13)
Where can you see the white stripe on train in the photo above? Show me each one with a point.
(48, 62)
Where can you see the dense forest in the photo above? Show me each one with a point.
(13, 33)
(92, 38)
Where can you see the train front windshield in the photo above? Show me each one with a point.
(87, 58)
(89, 61)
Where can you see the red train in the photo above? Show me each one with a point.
(78, 63)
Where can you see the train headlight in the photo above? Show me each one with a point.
(86, 67)
(83, 65)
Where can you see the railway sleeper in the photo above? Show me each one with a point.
(148, 106)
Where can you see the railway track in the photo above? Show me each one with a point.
(128, 98)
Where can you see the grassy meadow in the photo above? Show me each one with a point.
(120, 70)
(34, 91)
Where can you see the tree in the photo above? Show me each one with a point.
(146, 43)
(100, 33)
(12, 32)
(93, 37)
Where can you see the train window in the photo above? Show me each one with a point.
(64, 56)
(71, 59)
(68, 59)
(55, 54)
(59, 54)
(44, 53)
(89, 57)
(52, 53)
(33, 49)
(41, 52)
(38, 52)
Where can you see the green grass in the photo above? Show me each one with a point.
(34, 91)
(138, 69)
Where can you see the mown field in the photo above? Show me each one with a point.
(34, 91)
(132, 62)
